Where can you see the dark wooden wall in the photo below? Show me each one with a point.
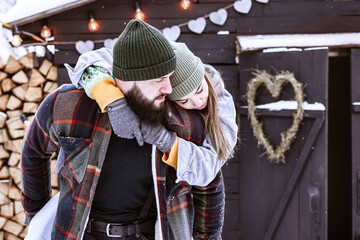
(275, 17)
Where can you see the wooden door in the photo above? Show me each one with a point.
(285, 200)
(355, 133)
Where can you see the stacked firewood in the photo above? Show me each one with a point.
(23, 85)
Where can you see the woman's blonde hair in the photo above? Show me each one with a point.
(213, 127)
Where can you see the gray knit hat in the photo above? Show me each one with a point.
(188, 74)
(142, 52)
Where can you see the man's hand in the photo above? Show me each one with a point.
(124, 121)
(158, 135)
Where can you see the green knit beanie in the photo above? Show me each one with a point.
(142, 52)
(188, 74)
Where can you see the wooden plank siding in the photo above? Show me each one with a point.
(275, 17)
(273, 217)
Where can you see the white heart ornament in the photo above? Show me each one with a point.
(198, 25)
(262, 1)
(83, 47)
(243, 6)
(109, 43)
(172, 33)
(218, 17)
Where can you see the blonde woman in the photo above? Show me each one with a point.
(199, 89)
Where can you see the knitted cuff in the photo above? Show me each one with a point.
(105, 93)
(171, 158)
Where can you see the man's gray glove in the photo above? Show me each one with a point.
(157, 134)
(125, 123)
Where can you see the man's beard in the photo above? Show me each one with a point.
(144, 108)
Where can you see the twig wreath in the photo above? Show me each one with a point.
(274, 85)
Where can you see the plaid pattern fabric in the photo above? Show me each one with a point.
(206, 209)
(209, 205)
(67, 118)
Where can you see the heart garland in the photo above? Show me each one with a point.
(83, 47)
(243, 6)
(109, 43)
(198, 25)
(219, 17)
(274, 85)
(172, 33)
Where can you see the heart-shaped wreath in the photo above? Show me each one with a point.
(274, 85)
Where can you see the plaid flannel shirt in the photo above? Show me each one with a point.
(67, 118)
(209, 201)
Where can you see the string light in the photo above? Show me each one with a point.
(16, 41)
(93, 24)
(45, 32)
(7, 26)
(185, 4)
(138, 13)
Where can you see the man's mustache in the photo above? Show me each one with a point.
(160, 96)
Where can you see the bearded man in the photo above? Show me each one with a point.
(112, 184)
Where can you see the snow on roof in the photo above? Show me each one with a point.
(25, 11)
(258, 42)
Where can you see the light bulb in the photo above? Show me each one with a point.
(16, 41)
(139, 14)
(45, 32)
(185, 4)
(93, 25)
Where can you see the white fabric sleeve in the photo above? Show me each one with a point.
(227, 116)
(42, 223)
(101, 57)
(198, 165)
